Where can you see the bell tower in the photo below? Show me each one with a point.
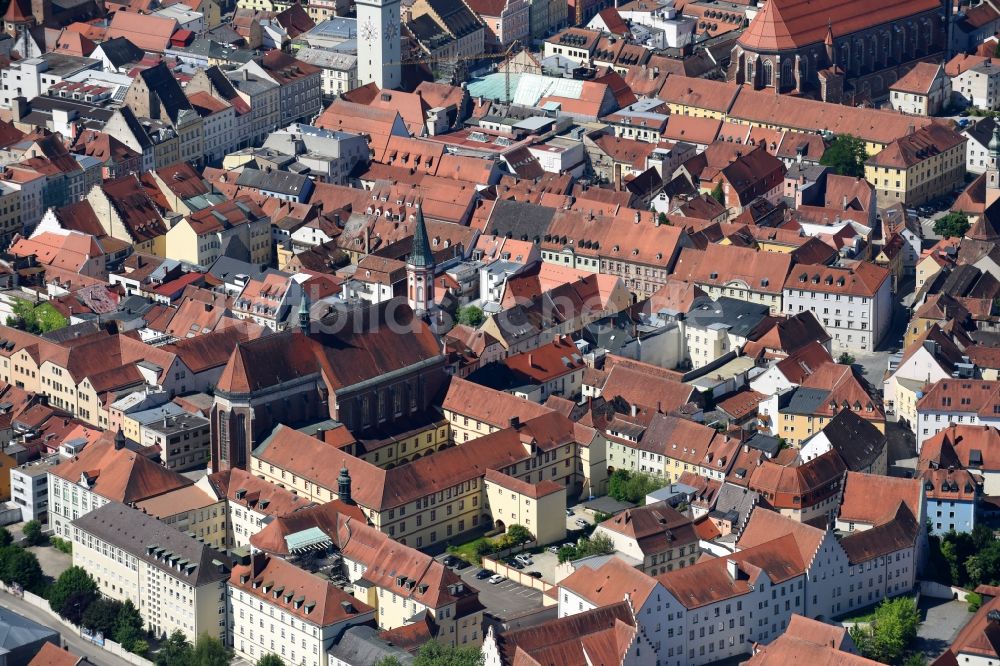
(378, 43)
(420, 269)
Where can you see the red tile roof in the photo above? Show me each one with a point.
(789, 24)
(295, 591)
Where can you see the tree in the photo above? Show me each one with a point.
(718, 195)
(210, 651)
(35, 318)
(128, 627)
(471, 315)
(845, 359)
(890, 632)
(662, 219)
(32, 532)
(72, 593)
(387, 661)
(102, 616)
(627, 486)
(974, 600)
(952, 225)
(5, 537)
(139, 647)
(433, 653)
(519, 534)
(19, 566)
(846, 156)
(175, 651)
(271, 659)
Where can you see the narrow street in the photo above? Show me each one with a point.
(77, 645)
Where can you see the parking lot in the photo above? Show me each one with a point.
(503, 600)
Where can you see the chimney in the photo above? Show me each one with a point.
(635, 409)
(515, 422)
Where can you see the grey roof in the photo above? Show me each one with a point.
(282, 182)
(62, 65)
(17, 631)
(520, 220)
(734, 499)
(327, 59)
(360, 645)
(806, 400)
(981, 131)
(858, 442)
(155, 542)
(225, 268)
(740, 317)
(121, 51)
(168, 90)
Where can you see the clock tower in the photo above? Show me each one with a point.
(378, 43)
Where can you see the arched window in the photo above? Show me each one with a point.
(766, 73)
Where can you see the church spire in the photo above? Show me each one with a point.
(420, 255)
(344, 484)
(420, 269)
(304, 322)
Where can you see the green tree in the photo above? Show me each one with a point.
(387, 661)
(519, 534)
(845, 359)
(974, 600)
(627, 486)
(952, 225)
(662, 219)
(19, 566)
(35, 318)
(718, 195)
(471, 315)
(32, 532)
(846, 156)
(271, 659)
(72, 593)
(210, 651)
(597, 544)
(175, 651)
(892, 629)
(139, 647)
(102, 616)
(128, 627)
(433, 653)
(5, 537)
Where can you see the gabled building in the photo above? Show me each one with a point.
(106, 471)
(133, 556)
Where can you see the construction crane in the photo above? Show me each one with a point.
(512, 50)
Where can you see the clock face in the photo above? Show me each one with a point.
(369, 32)
(391, 30)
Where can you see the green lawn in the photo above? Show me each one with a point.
(467, 551)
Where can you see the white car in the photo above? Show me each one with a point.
(524, 559)
(496, 578)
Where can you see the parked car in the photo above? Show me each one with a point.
(553, 549)
(482, 573)
(569, 512)
(450, 561)
(524, 558)
(496, 578)
(580, 522)
(535, 574)
(514, 564)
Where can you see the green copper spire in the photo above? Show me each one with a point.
(421, 255)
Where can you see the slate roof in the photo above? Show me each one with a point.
(145, 537)
(120, 51)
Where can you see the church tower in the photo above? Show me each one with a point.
(993, 165)
(378, 43)
(420, 269)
